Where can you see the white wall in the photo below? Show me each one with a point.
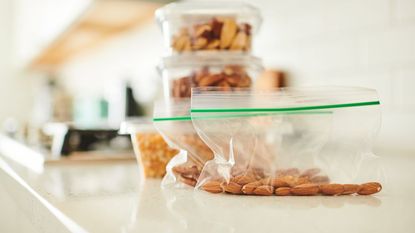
(367, 43)
(15, 88)
(321, 42)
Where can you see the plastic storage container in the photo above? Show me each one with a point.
(195, 26)
(151, 150)
(227, 71)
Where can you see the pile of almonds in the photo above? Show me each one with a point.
(231, 76)
(288, 182)
(216, 34)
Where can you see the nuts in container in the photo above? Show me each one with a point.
(226, 71)
(151, 151)
(196, 26)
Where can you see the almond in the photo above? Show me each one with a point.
(213, 186)
(350, 189)
(266, 181)
(245, 81)
(279, 182)
(301, 180)
(320, 179)
(228, 32)
(188, 181)
(310, 172)
(370, 188)
(233, 80)
(331, 189)
(283, 191)
(233, 187)
(214, 44)
(179, 43)
(210, 80)
(200, 43)
(250, 188)
(264, 190)
(244, 179)
(202, 30)
(305, 190)
(239, 42)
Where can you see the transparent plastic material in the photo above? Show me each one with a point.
(172, 120)
(209, 25)
(291, 141)
(226, 71)
(150, 149)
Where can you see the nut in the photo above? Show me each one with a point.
(264, 190)
(239, 42)
(331, 189)
(266, 181)
(244, 179)
(203, 30)
(283, 191)
(305, 190)
(288, 172)
(350, 189)
(370, 188)
(210, 80)
(213, 186)
(233, 188)
(228, 32)
(250, 188)
(279, 182)
(310, 172)
(200, 43)
(320, 179)
(188, 181)
(214, 44)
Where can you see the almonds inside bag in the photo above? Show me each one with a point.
(288, 141)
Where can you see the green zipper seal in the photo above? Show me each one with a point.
(178, 118)
(304, 108)
(188, 118)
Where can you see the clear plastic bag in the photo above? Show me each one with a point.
(291, 141)
(172, 120)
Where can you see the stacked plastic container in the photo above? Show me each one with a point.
(207, 44)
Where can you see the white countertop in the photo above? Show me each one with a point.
(108, 197)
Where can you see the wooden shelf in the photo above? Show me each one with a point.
(103, 20)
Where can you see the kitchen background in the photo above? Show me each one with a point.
(87, 52)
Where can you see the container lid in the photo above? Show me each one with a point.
(214, 8)
(210, 58)
(138, 124)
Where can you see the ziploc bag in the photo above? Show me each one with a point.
(290, 141)
(172, 120)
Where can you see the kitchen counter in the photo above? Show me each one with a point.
(111, 197)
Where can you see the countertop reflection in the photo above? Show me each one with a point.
(104, 197)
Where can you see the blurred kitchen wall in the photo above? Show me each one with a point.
(15, 88)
